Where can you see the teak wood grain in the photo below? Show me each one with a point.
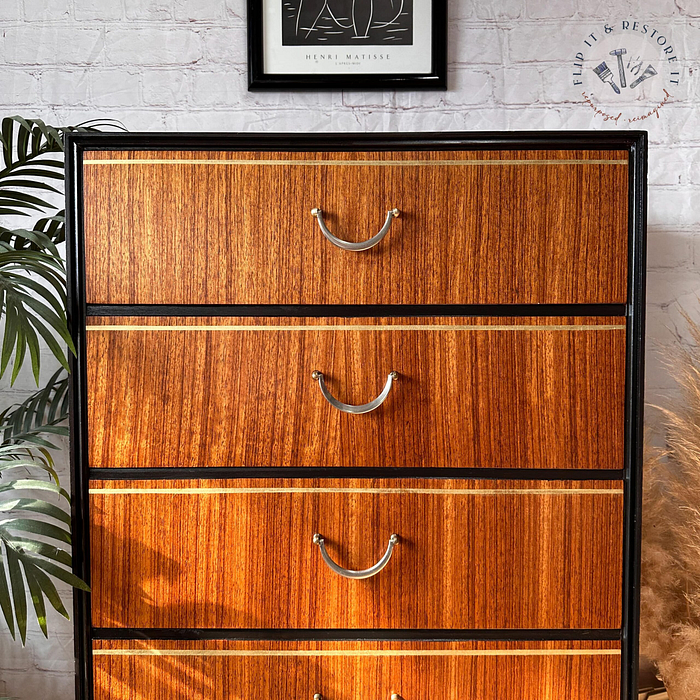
(504, 393)
(186, 227)
(471, 554)
(356, 670)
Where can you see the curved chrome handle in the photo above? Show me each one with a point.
(394, 696)
(349, 408)
(364, 573)
(346, 245)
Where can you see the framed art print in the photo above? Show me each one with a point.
(347, 44)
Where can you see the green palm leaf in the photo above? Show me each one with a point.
(43, 237)
(32, 276)
(43, 412)
(34, 511)
(33, 307)
(32, 153)
(34, 539)
(38, 560)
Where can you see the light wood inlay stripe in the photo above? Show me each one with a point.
(381, 163)
(358, 652)
(383, 491)
(359, 328)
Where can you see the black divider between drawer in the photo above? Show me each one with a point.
(302, 635)
(168, 473)
(348, 311)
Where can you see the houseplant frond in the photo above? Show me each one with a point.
(35, 518)
(34, 549)
(32, 275)
(29, 162)
(45, 411)
(33, 302)
(32, 159)
(34, 512)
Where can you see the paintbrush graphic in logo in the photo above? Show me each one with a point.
(605, 74)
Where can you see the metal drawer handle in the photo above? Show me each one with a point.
(346, 245)
(349, 408)
(364, 573)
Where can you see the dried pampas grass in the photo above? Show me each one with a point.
(670, 594)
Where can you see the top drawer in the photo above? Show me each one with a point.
(490, 227)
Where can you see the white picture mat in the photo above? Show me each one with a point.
(338, 60)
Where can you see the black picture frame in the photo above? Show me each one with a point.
(259, 80)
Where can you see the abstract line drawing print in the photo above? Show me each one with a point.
(347, 22)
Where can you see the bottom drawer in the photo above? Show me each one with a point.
(265, 670)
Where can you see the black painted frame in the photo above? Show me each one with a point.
(635, 142)
(259, 80)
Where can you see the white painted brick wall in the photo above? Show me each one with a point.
(148, 9)
(180, 65)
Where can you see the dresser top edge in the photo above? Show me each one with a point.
(475, 140)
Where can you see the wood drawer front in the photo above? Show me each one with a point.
(472, 554)
(136, 670)
(512, 393)
(492, 227)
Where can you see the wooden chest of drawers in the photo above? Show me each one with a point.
(314, 461)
